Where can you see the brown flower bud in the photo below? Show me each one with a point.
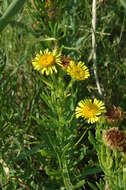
(115, 139)
(114, 114)
(65, 61)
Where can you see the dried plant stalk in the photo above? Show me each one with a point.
(94, 46)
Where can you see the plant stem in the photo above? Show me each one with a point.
(81, 137)
(63, 168)
(94, 46)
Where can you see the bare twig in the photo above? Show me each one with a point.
(94, 46)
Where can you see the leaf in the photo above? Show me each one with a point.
(27, 153)
(92, 186)
(92, 139)
(52, 172)
(123, 2)
(79, 184)
(90, 171)
(100, 184)
(47, 122)
(46, 100)
(49, 142)
(0, 13)
(4, 171)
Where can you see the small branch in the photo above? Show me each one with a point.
(94, 46)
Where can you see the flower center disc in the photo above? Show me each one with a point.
(47, 60)
(90, 110)
(78, 72)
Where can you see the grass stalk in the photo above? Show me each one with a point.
(94, 57)
(13, 8)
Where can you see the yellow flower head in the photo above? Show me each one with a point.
(90, 110)
(46, 61)
(78, 71)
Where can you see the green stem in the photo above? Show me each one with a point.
(124, 177)
(66, 177)
(45, 81)
(69, 87)
(82, 136)
(116, 159)
(63, 168)
(60, 135)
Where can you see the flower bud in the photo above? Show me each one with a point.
(115, 139)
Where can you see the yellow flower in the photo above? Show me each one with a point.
(78, 71)
(46, 61)
(90, 110)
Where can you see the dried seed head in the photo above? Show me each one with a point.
(114, 114)
(65, 61)
(115, 139)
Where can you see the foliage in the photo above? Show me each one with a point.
(43, 145)
(112, 162)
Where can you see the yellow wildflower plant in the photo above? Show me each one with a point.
(78, 71)
(46, 61)
(90, 109)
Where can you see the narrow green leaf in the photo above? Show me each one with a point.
(92, 186)
(90, 171)
(79, 184)
(26, 153)
(92, 139)
(0, 13)
(51, 172)
(123, 2)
